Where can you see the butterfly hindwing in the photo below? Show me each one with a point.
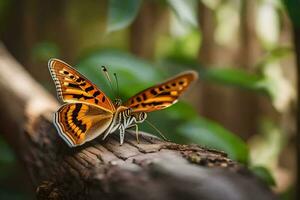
(73, 87)
(162, 95)
(78, 123)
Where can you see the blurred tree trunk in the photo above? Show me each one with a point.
(151, 19)
(239, 109)
(32, 22)
(297, 50)
(247, 112)
(207, 25)
(249, 45)
(210, 94)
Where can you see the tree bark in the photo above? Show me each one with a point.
(152, 169)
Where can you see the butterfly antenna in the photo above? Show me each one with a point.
(117, 83)
(106, 74)
(160, 133)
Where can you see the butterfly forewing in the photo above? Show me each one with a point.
(162, 95)
(73, 87)
(78, 123)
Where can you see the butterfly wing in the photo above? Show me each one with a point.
(73, 87)
(162, 95)
(78, 123)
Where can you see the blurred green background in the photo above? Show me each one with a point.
(244, 102)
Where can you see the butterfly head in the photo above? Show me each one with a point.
(118, 102)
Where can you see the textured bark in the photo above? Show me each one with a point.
(152, 169)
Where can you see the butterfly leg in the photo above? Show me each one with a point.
(122, 134)
(136, 131)
(113, 129)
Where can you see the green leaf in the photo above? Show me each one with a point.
(186, 46)
(43, 51)
(186, 11)
(275, 55)
(6, 155)
(289, 193)
(182, 110)
(134, 74)
(211, 134)
(6, 7)
(264, 174)
(234, 77)
(7, 160)
(267, 85)
(121, 13)
(292, 7)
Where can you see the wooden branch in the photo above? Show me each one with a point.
(153, 169)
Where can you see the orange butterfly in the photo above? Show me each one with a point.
(88, 112)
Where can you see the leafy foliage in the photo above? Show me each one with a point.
(6, 156)
(213, 135)
(186, 11)
(42, 51)
(264, 174)
(233, 77)
(121, 13)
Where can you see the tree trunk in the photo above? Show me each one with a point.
(239, 110)
(152, 169)
(297, 51)
(151, 20)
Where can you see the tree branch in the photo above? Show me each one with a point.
(152, 169)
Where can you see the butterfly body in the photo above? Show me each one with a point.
(88, 112)
(123, 119)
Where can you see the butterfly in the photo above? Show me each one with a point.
(88, 112)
